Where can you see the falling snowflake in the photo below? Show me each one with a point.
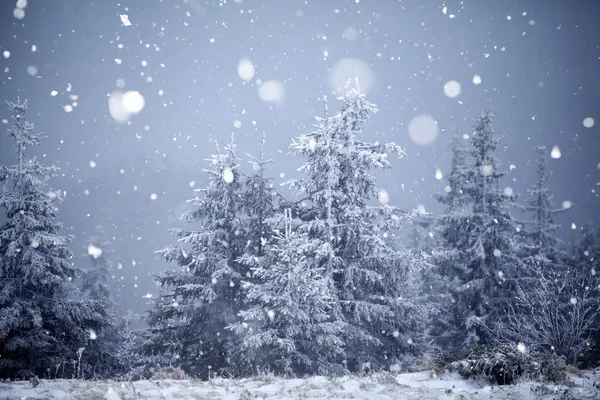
(228, 175)
(125, 19)
(383, 197)
(94, 251)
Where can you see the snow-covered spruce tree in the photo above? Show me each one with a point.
(257, 203)
(41, 329)
(450, 231)
(369, 276)
(290, 325)
(202, 295)
(539, 231)
(489, 265)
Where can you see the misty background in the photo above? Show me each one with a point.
(535, 63)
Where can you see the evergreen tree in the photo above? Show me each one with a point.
(288, 326)
(338, 184)
(202, 295)
(450, 230)
(258, 203)
(540, 231)
(484, 261)
(42, 331)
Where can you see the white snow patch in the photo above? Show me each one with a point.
(384, 386)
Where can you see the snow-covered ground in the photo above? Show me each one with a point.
(378, 386)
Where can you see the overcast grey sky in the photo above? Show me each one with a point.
(206, 69)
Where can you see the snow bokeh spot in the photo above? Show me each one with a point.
(32, 70)
(346, 72)
(555, 153)
(521, 347)
(588, 122)
(19, 13)
(245, 69)
(423, 130)
(271, 91)
(438, 174)
(350, 33)
(476, 79)
(567, 204)
(133, 101)
(122, 105)
(452, 89)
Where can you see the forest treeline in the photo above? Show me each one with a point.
(335, 280)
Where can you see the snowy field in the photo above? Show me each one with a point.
(378, 386)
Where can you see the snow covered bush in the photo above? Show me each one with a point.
(554, 315)
(502, 363)
(552, 367)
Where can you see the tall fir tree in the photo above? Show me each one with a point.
(450, 230)
(258, 203)
(42, 331)
(487, 264)
(540, 230)
(203, 294)
(347, 232)
(288, 326)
